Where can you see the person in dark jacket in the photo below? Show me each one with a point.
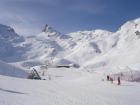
(119, 81)
(107, 77)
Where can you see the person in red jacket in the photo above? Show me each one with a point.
(111, 79)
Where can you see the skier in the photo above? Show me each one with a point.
(119, 81)
(111, 79)
(107, 77)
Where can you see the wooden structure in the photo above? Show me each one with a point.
(34, 75)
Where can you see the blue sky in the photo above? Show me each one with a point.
(29, 16)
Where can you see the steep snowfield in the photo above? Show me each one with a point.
(90, 44)
(48, 44)
(9, 70)
(10, 48)
(67, 87)
(126, 51)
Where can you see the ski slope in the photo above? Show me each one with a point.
(12, 71)
(67, 87)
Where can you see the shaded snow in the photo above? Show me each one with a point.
(9, 70)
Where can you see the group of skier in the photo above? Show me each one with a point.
(109, 78)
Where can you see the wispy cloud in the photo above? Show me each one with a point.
(18, 17)
(28, 16)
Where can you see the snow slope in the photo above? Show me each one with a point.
(126, 50)
(67, 87)
(10, 47)
(9, 70)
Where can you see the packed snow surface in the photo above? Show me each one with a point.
(67, 87)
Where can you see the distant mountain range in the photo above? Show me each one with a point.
(95, 49)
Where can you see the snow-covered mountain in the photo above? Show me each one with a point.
(10, 48)
(124, 52)
(48, 45)
(94, 49)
